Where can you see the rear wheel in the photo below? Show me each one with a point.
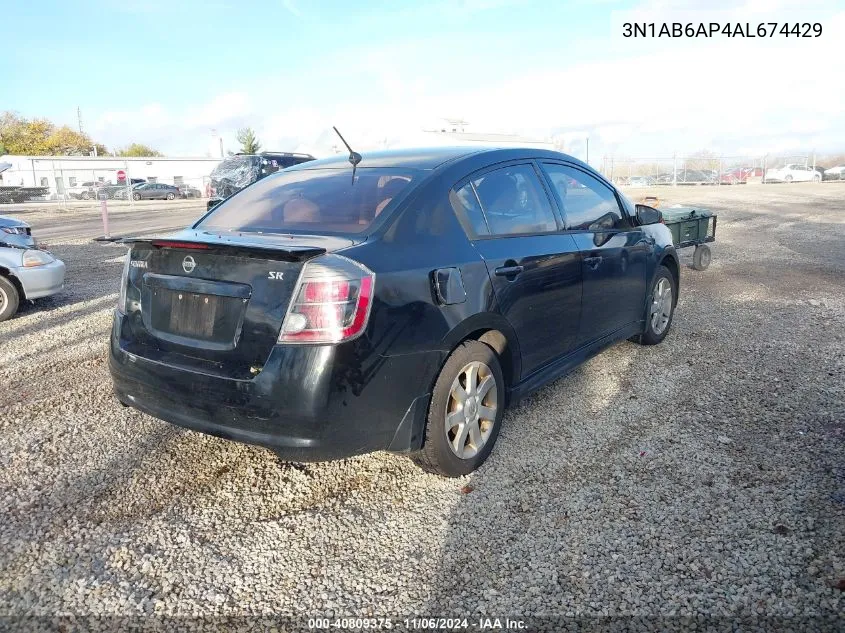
(661, 308)
(788, 179)
(465, 413)
(136, 196)
(86, 195)
(9, 299)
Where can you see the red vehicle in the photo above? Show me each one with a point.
(738, 175)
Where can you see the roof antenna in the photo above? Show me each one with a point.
(354, 157)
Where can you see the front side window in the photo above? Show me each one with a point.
(587, 203)
(514, 201)
(321, 200)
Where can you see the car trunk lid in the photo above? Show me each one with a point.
(214, 302)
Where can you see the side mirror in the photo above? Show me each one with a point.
(648, 215)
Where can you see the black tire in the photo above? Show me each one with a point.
(701, 257)
(136, 196)
(171, 196)
(788, 179)
(436, 455)
(9, 299)
(85, 195)
(651, 336)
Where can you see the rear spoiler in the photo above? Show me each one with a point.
(270, 251)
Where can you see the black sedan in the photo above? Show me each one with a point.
(155, 191)
(400, 304)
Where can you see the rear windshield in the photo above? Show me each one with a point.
(313, 200)
(234, 162)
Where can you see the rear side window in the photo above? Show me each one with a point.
(587, 203)
(514, 202)
(465, 203)
(314, 200)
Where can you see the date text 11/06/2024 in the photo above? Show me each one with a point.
(719, 29)
(419, 624)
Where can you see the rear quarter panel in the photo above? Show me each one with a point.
(423, 236)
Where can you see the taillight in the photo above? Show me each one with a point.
(331, 302)
(124, 282)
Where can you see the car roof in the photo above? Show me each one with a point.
(415, 158)
(429, 158)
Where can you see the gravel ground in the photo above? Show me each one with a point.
(701, 477)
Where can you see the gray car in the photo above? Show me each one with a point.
(26, 272)
(155, 191)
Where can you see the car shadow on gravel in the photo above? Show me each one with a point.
(689, 484)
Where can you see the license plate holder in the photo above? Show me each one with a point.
(193, 314)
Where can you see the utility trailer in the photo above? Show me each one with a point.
(10, 194)
(691, 226)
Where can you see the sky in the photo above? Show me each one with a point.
(168, 73)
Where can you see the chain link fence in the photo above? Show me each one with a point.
(721, 170)
(66, 183)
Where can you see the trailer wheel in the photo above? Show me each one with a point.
(701, 257)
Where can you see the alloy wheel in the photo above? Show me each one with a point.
(471, 410)
(661, 306)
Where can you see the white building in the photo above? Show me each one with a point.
(61, 173)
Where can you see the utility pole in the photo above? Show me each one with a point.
(79, 118)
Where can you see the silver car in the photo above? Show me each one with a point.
(26, 272)
(17, 232)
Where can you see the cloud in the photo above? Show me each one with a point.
(223, 110)
(291, 8)
(640, 98)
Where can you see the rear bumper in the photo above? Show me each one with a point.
(42, 281)
(309, 403)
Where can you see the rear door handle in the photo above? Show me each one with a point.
(593, 262)
(509, 271)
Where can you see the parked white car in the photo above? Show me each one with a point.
(793, 172)
(83, 190)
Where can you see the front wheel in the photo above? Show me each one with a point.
(9, 299)
(788, 179)
(661, 308)
(465, 413)
(170, 196)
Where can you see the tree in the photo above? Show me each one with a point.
(64, 141)
(249, 142)
(21, 136)
(40, 137)
(137, 149)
